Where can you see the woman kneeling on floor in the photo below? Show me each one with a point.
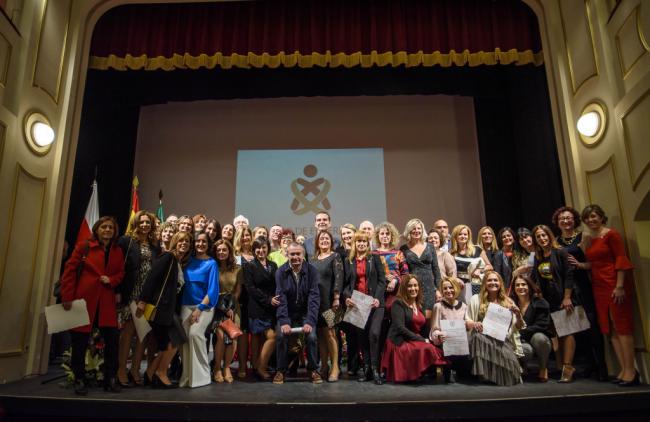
(493, 360)
(407, 354)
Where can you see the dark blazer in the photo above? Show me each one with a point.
(562, 278)
(164, 268)
(537, 318)
(401, 316)
(260, 286)
(297, 302)
(131, 250)
(375, 277)
(503, 266)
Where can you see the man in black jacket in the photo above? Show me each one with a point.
(297, 289)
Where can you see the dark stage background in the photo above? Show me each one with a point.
(518, 155)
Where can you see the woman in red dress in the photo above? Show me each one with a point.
(613, 291)
(408, 354)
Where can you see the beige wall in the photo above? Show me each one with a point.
(431, 164)
(588, 56)
(597, 53)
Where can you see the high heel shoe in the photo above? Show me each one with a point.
(333, 376)
(133, 380)
(218, 376)
(377, 377)
(158, 383)
(567, 374)
(262, 375)
(126, 384)
(632, 383)
(146, 380)
(227, 376)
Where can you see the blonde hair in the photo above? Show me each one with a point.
(454, 243)
(410, 226)
(455, 283)
(394, 234)
(502, 297)
(238, 236)
(358, 235)
(479, 238)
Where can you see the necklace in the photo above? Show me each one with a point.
(569, 240)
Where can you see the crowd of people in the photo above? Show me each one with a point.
(274, 301)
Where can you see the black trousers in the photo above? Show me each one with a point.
(79, 343)
(368, 338)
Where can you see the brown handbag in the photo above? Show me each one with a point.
(229, 326)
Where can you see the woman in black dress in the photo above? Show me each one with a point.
(162, 288)
(330, 283)
(422, 261)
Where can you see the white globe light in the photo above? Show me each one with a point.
(43, 134)
(589, 124)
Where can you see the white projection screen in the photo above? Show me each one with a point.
(378, 158)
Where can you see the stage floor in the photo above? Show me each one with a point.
(298, 399)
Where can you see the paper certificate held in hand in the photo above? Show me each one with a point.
(357, 315)
(58, 319)
(574, 322)
(497, 321)
(455, 343)
(142, 326)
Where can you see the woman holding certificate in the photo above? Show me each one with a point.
(408, 355)
(554, 276)
(364, 272)
(450, 308)
(494, 360)
(92, 273)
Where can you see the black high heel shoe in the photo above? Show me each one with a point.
(133, 381)
(632, 383)
(146, 381)
(158, 383)
(126, 384)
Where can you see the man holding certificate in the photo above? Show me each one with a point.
(493, 345)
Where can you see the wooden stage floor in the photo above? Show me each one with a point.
(298, 399)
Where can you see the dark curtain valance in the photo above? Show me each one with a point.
(325, 33)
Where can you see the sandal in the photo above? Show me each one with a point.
(218, 376)
(567, 373)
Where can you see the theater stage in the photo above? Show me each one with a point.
(297, 399)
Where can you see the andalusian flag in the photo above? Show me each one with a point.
(159, 212)
(135, 202)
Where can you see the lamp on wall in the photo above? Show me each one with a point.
(592, 123)
(38, 132)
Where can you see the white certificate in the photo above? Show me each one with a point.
(455, 343)
(358, 314)
(58, 319)
(142, 326)
(574, 322)
(497, 321)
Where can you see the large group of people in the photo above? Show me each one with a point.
(275, 301)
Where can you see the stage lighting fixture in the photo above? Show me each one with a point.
(38, 132)
(592, 123)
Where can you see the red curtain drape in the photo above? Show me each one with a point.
(316, 32)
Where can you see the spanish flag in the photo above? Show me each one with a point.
(135, 201)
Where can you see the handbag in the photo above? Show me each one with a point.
(150, 309)
(229, 326)
(332, 317)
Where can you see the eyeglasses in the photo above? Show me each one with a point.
(568, 218)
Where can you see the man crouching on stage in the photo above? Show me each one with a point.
(297, 289)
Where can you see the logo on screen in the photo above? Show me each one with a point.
(309, 195)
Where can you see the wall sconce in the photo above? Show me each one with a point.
(38, 132)
(592, 124)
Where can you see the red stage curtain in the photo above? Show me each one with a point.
(307, 33)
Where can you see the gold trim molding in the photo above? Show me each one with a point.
(635, 180)
(20, 170)
(568, 50)
(633, 14)
(53, 96)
